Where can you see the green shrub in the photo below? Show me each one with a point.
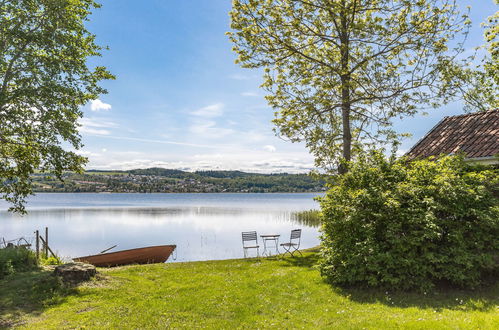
(16, 259)
(53, 261)
(411, 225)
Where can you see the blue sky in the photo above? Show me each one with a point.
(179, 101)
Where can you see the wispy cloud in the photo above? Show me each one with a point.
(95, 122)
(209, 146)
(208, 129)
(239, 77)
(95, 126)
(98, 105)
(269, 148)
(238, 160)
(210, 111)
(250, 94)
(94, 131)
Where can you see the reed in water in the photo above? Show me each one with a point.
(312, 218)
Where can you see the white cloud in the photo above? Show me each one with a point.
(94, 131)
(98, 105)
(208, 129)
(244, 160)
(269, 148)
(250, 94)
(95, 126)
(401, 152)
(95, 122)
(186, 144)
(86, 153)
(210, 111)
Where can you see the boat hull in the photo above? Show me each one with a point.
(145, 255)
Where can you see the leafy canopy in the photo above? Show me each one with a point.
(44, 80)
(339, 71)
(480, 85)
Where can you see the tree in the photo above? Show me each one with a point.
(480, 85)
(44, 80)
(339, 71)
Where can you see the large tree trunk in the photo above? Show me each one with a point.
(345, 90)
(347, 134)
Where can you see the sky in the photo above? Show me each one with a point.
(180, 101)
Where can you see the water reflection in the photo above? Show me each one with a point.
(202, 230)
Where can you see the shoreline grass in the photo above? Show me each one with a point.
(238, 293)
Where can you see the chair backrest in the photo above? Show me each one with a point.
(295, 234)
(249, 236)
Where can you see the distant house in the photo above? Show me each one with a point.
(476, 135)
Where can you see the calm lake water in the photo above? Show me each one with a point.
(203, 226)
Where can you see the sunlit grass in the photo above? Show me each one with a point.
(252, 293)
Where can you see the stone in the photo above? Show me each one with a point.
(75, 272)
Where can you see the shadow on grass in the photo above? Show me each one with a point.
(443, 297)
(308, 260)
(29, 293)
(484, 299)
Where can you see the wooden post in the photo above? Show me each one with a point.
(37, 245)
(48, 247)
(46, 242)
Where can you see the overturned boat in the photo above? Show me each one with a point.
(145, 255)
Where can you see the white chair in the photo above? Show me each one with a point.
(250, 241)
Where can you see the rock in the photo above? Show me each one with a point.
(75, 272)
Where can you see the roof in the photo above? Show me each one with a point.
(476, 135)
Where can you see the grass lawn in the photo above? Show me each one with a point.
(250, 293)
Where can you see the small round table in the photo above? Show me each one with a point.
(270, 238)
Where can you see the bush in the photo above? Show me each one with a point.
(16, 259)
(411, 225)
(50, 261)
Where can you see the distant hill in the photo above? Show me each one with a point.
(169, 180)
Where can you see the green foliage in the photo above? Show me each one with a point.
(50, 261)
(16, 259)
(479, 84)
(44, 81)
(339, 71)
(411, 225)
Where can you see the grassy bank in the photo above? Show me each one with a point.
(252, 293)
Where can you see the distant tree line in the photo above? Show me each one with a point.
(168, 180)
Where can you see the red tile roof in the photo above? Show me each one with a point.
(476, 135)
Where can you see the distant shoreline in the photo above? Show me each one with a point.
(159, 180)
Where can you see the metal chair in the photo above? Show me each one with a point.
(248, 237)
(294, 243)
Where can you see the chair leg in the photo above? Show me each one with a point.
(296, 250)
(286, 250)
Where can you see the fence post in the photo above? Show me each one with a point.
(37, 246)
(46, 242)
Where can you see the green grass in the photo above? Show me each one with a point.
(252, 293)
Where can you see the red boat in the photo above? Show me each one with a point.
(145, 255)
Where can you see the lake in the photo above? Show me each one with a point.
(203, 226)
